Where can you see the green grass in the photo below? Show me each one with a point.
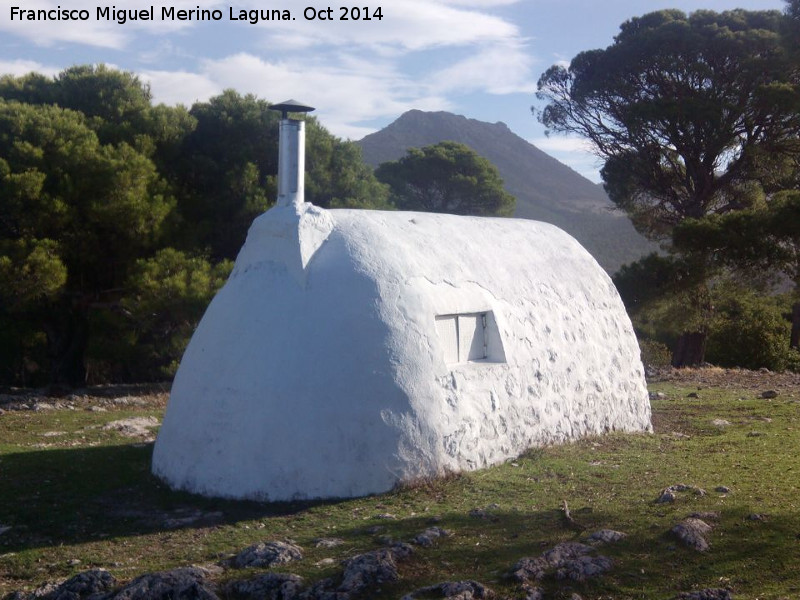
(87, 495)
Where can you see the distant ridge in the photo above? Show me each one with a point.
(546, 189)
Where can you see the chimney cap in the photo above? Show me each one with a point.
(288, 106)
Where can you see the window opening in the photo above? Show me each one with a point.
(466, 337)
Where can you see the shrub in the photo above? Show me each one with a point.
(749, 330)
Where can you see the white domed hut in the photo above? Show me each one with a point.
(351, 350)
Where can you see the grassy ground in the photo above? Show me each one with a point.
(77, 495)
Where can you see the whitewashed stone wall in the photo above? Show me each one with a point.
(318, 371)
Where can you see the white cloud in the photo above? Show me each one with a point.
(497, 69)
(345, 97)
(179, 87)
(356, 72)
(23, 67)
(408, 26)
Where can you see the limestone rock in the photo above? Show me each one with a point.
(188, 583)
(568, 560)
(372, 568)
(668, 494)
(327, 542)
(427, 537)
(693, 533)
(606, 536)
(361, 573)
(270, 586)
(267, 554)
(533, 592)
(94, 584)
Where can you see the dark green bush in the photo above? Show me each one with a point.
(749, 330)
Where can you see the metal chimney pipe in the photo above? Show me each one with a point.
(291, 154)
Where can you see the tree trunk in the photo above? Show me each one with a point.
(690, 350)
(67, 331)
(794, 341)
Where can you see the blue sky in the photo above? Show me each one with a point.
(479, 58)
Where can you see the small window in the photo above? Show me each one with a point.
(469, 337)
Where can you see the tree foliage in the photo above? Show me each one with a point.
(750, 331)
(760, 241)
(118, 218)
(447, 177)
(687, 111)
(74, 214)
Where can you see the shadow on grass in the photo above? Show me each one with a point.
(56, 496)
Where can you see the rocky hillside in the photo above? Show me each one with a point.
(546, 190)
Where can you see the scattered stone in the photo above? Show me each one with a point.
(693, 533)
(325, 562)
(756, 517)
(97, 409)
(668, 494)
(707, 594)
(692, 395)
(769, 394)
(327, 542)
(657, 395)
(722, 489)
(720, 423)
(533, 592)
(493, 506)
(681, 436)
(386, 516)
(373, 568)
(606, 536)
(479, 513)
(187, 582)
(427, 537)
(270, 586)
(94, 584)
(140, 427)
(454, 590)
(324, 589)
(756, 434)
(267, 554)
(568, 560)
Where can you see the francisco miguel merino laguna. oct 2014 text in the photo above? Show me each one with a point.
(170, 13)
